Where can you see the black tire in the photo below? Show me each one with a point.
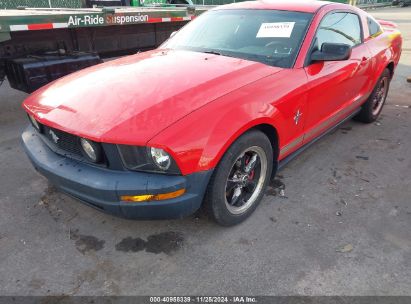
(234, 174)
(401, 4)
(372, 108)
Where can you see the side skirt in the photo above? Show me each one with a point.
(290, 157)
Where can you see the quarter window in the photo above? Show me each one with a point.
(373, 27)
(339, 27)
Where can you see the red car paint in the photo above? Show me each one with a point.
(194, 105)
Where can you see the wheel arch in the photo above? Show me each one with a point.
(390, 66)
(271, 132)
(261, 125)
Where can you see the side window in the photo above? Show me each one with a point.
(373, 27)
(339, 27)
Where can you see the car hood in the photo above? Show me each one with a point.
(130, 100)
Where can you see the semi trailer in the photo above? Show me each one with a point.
(39, 45)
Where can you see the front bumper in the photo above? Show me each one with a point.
(101, 188)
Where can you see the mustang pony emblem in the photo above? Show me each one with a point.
(54, 136)
(297, 116)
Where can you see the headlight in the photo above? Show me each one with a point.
(34, 123)
(91, 150)
(147, 159)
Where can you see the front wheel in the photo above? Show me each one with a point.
(372, 108)
(239, 181)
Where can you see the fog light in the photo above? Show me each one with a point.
(34, 123)
(152, 197)
(91, 150)
(161, 158)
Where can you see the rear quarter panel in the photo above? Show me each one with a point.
(385, 49)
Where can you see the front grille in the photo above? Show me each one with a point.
(68, 145)
(62, 140)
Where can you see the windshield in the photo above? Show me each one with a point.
(268, 36)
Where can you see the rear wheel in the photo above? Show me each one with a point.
(239, 181)
(372, 108)
(401, 4)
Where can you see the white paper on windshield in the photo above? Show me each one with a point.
(276, 30)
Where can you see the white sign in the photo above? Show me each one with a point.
(276, 30)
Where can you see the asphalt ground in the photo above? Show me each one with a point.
(341, 225)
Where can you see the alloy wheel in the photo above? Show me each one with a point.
(246, 180)
(380, 95)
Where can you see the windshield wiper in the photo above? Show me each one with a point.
(212, 52)
(265, 59)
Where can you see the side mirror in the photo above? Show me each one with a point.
(173, 34)
(332, 52)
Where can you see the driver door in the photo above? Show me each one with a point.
(335, 87)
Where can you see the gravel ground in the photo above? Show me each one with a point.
(343, 227)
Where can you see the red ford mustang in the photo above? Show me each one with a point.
(210, 116)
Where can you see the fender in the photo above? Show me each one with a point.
(199, 140)
(212, 162)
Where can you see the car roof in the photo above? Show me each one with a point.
(307, 6)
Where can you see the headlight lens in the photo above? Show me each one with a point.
(161, 158)
(34, 123)
(91, 150)
(147, 159)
